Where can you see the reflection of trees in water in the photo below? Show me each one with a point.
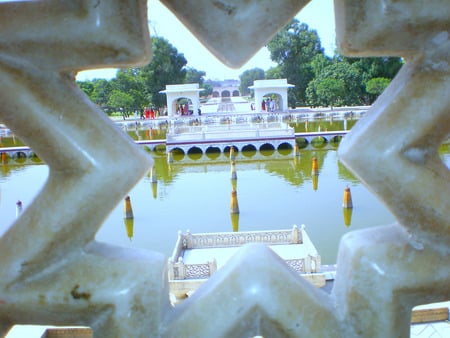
(10, 141)
(345, 174)
(13, 167)
(323, 124)
(166, 172)
(287, 171)
(297, 170)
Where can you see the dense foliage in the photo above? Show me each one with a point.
(319, 80)
(323, 81)
(247, 78)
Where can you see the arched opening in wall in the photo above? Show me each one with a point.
(334, 141)
(318, 142)
(215, 94)
(236, 93)
(213, 152)
(160, 148)
(249, 150)
(267, 149)
(226, 93)
(273, 102)
(301, 142)
(35, 158)
(178, 154)
(20, 157)
(183, 106)
(20, 154)
(195, 153)
(285, 149)
(227, 150)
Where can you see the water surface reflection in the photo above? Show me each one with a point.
(274, 192)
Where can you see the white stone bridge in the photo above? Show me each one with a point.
(209, 138)
(223, 136)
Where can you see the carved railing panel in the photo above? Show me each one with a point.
(52, 270)
(226, 239)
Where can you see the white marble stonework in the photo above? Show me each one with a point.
(54, 272)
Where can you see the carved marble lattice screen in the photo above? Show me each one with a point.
(52, 270)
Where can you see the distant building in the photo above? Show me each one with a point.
(226, 88)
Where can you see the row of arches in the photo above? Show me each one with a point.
(226, 93)
(319, 139)
(316, 142)
(20, 157)
(249, 151)
(226, 149)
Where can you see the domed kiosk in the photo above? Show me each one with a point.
(273, 86)
(189, 91)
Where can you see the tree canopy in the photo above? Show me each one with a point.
(166, 68)
(248, 77)
(319, 80)
(293, 48)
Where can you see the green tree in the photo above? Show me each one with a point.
(319, 63)
(274, 73)
(207, 90)
(372, 67)
(166, 67)
(377, 85)
(248, 77)
(195, 76)
(101, 93)
(87, 87)
(128, 81)
(120, 99)
(293, 48)
(375, 67)
(340, 83)
(328, 92)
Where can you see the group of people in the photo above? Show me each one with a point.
(183, 109)
(268, 105)
(149, 113)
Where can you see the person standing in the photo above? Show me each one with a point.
(272, 105)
